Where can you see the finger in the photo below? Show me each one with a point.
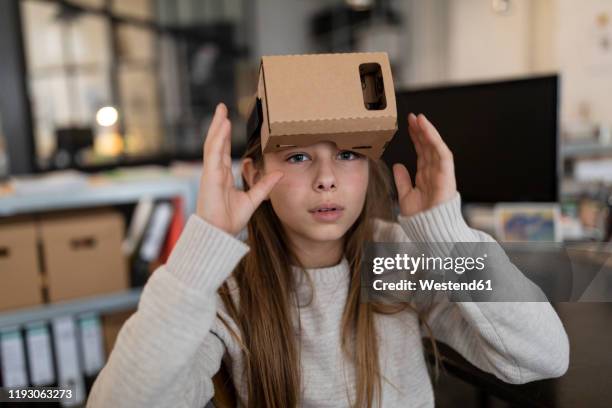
(227, 148)
(417, 129)
(427, 150)
(262, 188)
(213, 129)
(220, 114)
(413, 130)
(433, 139)
(403, 182)
(213, 154)
(423, 157)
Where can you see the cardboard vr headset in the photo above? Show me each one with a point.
(348, 99)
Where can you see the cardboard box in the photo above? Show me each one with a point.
(82, 254)
(20, 280)
(346, 98)
(111, 325)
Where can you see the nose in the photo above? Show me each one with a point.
(325, 179)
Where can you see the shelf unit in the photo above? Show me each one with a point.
(98, 304)
(576, 150)
(109, 192)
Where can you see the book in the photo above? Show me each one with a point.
(69, 371)
(12, 358)
(40, 354)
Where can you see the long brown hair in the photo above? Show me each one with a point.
(267, 299)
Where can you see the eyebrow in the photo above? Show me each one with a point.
(292, 150)
(309, 150)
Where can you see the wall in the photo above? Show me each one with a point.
(535, 37)
(483, 44)
(425, 42)
(587, 73)
(448, 41)
(281, 26)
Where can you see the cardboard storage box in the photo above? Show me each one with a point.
(348, 98)
(20, 280)
(111, 325)
(82, 254)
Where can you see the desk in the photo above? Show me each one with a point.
(588, 381)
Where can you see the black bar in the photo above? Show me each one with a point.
(14, 101)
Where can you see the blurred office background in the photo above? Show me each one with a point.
(104, 105)
(95, 84)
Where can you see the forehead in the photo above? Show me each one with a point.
(327, 145)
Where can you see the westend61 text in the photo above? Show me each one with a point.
(429, 284)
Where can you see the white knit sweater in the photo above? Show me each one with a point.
(168, 351)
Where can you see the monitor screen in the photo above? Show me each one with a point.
(503, 136)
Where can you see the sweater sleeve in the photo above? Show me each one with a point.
(518, 342)
(166, 354)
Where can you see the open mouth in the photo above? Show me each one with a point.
(327, 212)
(327, 208)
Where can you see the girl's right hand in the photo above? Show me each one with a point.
(220, 203)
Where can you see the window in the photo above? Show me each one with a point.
(161, 67)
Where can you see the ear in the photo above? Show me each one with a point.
(250, 173)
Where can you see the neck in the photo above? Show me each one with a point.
(318, 254)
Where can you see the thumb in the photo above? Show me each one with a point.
(403, 182)
(262, 188)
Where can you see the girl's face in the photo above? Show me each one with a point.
(322, 191)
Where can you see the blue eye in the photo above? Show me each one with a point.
(297, 158)
(348, 155)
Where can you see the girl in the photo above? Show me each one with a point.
(283, 310)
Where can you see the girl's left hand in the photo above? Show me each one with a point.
(435, 176)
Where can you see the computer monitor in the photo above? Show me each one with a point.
(503, 136)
